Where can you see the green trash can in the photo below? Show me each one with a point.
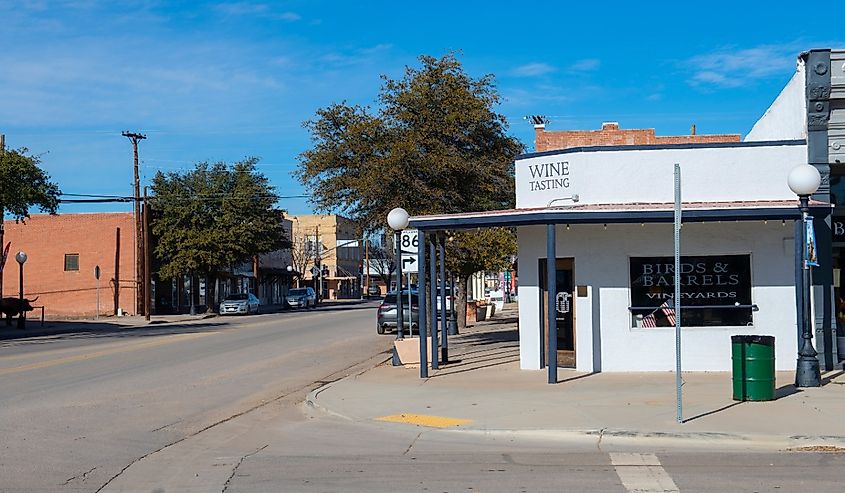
(753, 368)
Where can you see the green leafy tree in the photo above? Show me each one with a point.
(435, 145)
(212, 217)
(23, 185)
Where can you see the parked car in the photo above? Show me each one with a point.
(387, 312)
(373, 291)
(302, 298)
(240, 304)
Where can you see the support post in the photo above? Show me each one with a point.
(423, 329)
(444, 344)
(432, 262)
(399, 318)
(551, 289)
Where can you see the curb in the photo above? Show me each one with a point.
(614, 436)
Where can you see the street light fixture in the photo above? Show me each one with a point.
(398, 219)
(21, 258)
(804, 180)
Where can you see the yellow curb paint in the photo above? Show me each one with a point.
(424, 420)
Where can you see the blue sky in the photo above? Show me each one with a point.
(225, 80)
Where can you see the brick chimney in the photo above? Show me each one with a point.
(609, 126)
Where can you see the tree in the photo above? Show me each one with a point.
(435, 145)
(23, 185)
(213, 217)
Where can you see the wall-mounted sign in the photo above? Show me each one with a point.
(716, 288)
(549, 176)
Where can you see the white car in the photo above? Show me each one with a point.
(240, 304)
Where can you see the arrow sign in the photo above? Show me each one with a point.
(409, 260)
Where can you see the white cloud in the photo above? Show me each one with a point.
(532, 70)
(257, 9)
(586, 65)
(741, 67)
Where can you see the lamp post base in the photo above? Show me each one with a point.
(807, 373)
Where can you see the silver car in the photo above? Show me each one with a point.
(240, 304)
(302, 298)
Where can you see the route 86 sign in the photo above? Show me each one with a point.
(409, 242)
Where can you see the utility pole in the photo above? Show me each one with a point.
(148, 284)
(2, 221)
(139, 240)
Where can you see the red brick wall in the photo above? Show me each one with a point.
(612, 135)
(46, 239)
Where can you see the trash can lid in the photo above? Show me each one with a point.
(753, 339)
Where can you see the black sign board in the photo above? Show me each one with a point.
(715, 288)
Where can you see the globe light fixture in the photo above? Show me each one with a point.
(21, 258)
(398, 218)
(804, 180)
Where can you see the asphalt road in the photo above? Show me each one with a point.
(217, 405)
(77, 410)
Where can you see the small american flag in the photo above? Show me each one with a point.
(667, 308)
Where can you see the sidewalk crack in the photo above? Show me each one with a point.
(83, 476)
(235, 469)
(414, 441)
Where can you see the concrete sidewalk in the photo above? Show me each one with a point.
(484, 386)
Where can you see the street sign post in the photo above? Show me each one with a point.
(409, 244)
(97, 277)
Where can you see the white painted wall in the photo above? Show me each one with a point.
(601, 261)
(786, 118)
(626, 176)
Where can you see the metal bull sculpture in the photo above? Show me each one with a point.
(11, 307)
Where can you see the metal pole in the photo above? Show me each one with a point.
(807, 373)
(551, 295)
(410, 309)
(423, 329)
(399, 317)
(432, 263)
(677, 239)
(444, 346)
(22, 313)
(97, 313)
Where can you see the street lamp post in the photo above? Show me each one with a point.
(804, 180)
(397, 219)
(21, 258)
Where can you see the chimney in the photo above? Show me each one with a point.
(609, 126)
(692, 129)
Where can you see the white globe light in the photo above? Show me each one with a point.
(290, 269)
(398, 218)
(804, 179)
(21, 257)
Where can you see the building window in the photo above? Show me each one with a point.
(71, 262)
(715, 291)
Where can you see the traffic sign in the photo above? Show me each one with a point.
(408, 244)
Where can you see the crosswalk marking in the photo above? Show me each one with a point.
(642, 473)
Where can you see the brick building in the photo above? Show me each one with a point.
(336, 241)
(62, 253)
(611, 135)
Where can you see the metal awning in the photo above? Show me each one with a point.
(619, 214)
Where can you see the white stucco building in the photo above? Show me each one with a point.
(608, 213)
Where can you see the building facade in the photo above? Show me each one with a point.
(603, 214)
(63, 252)
(328, 252)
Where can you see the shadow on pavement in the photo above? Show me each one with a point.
(92, 330)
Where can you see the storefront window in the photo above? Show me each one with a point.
(715, 291)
